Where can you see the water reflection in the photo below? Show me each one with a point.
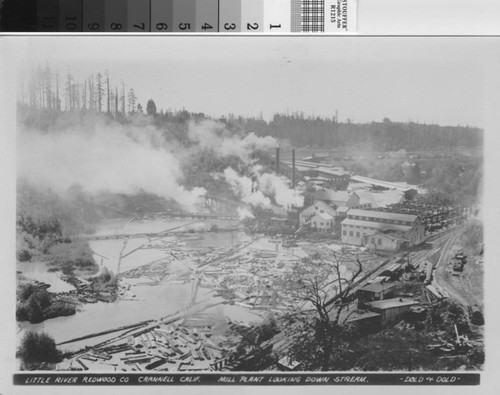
(143, 302)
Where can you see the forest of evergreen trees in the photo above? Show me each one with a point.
(327, 133)
(49, 101)
(45, 93)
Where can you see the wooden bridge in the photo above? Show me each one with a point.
(218, 209)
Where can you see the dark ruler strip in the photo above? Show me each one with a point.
(18, 16)
(162, 16)
(93, 16)
(115, 16)
(70, 16)
(47, 15)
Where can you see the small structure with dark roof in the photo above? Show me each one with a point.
(391, 309)
(375, 291)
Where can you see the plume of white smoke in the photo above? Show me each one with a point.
(277, 186)
(129, 158)
(112, 158)
(254, 192)
(244, 212)
(213, 136)
(243, 187)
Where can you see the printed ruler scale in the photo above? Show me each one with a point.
(179, 16)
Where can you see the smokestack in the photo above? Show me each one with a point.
(278, 160)
(293, 168)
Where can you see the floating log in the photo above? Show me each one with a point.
(105, 332)
(156, 364)
(82, 364)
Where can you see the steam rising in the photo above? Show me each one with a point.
(131, 158)
(211, 135)
(243, 187)
(103, 158)
(254, 191)
(278, 187)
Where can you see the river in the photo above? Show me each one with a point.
(143, 301)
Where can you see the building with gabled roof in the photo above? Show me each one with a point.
(342, 199)
(314, 209)
(388, 240)
(382, 216)
(375, 291)
(391, 309)
(323, 222)
(379, 199)
(361, 226)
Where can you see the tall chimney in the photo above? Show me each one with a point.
(277, 160)
(293, 168)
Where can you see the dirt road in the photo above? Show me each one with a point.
(465, 287)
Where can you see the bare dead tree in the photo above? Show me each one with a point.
(323, 285)
(132, 98)
(107, 91)
(99, 91)
(116, 101)
(69, 91)
(123, 98)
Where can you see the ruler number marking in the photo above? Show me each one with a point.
(93, 26)
(69, 23)
(252, 26)
(207, 26)
(161, 26)
(116, 26)
(229, 26)
(185, 26)
(140, 26)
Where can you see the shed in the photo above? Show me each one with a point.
(367, 321)
(391, 309)
(375, 291)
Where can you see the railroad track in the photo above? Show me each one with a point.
(441, 276)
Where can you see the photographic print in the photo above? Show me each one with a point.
(251, 204)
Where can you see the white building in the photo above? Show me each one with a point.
(389, 240)
(362, 223)
(317, 208)
(342, 199)
(380, 199)
(322, 222)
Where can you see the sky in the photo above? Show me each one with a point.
(438, 80)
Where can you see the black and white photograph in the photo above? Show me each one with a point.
(258, 204)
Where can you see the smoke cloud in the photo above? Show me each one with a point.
(253, 191)
(278, 187)
(243, 187)
(244, 212)
(104, 158)
(116, 158)
(213, 136)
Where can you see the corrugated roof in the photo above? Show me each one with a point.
(382, 198)
(393, 235)
(333, 172)
(334, 196)
(392, 303)
(352, 313)
(323, 206)
(376, 225)
(324, 216)
(361, 315)
(385, 184)
(377, 287)
(383, 215)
